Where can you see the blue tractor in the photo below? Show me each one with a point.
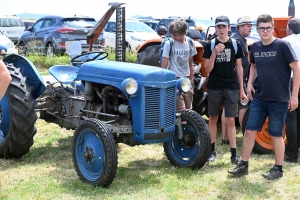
(105, 102)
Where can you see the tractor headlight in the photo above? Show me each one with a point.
(184, 84)
(129, 86)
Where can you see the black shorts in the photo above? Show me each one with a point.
(217, 98)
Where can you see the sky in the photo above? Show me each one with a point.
(200, 9)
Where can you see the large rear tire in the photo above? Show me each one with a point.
(194, 150)
(94, 153)
(263, 142)
(17, 117)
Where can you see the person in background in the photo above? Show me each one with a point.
(181, 60)
(271, 62)
(223, 64)
(293, 118)
(244, 27)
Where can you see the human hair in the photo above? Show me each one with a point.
(178, 26)
(264, 18)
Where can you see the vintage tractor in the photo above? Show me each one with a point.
(149, 53)
(105, 102)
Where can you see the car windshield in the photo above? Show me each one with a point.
(80, 22)
(205, 23)
(138, 27)
(10, 22)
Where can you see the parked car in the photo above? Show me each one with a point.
(28, 22)
(50, 33)
(136, 33)
(151, 23)
(7, 43)
(13, 27)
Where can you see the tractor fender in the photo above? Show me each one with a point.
(28, 69)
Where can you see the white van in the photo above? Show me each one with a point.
(12, 26)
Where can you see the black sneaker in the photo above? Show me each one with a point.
(235, 160)
(212, 156)
(239, 170)
(289, 159)
(225, 142)
(273, 173)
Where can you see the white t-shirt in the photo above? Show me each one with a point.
(181, 53)
(294, 40)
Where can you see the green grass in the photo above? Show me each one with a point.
(47, 172)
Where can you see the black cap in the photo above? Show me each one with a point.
(294, 25)
(222, 20)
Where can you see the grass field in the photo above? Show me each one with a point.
(47, 172)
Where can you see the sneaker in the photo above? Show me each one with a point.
(225, 142)
(290, 159)
(212, 156)
(235, 160)
(239, 170)
(273, 173)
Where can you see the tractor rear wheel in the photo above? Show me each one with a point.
(17, 117)
(194, 149)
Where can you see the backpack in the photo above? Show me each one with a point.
(213, 43)
(190, 41)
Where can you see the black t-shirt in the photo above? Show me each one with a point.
(223, 75)
(273, 70)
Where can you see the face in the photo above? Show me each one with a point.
(245, 30)
(222, 30)
(178, 37)
(265, 30)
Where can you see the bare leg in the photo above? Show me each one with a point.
(278, 144)
(231, 130)
(248, 143)
(241, 116)
(224, 126)
(212, 124)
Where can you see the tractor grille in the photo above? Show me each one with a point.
(153, 98)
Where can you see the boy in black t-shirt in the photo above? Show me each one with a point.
(223, 64)
(271, 62)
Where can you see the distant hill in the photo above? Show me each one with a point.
(31, 16)
(142, 17)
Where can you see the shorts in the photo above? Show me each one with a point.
(217, 98)
(260, 110)
(185, 100)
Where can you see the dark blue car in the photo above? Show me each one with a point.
(50, 33)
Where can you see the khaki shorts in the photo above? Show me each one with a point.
(185, 100)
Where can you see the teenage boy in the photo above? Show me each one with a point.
(271, 62)
(181, 59)
(223, 64)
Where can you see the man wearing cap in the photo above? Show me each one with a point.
(292, 120)
(223, 64)
(244, 27)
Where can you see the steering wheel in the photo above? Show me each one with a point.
(86, 57)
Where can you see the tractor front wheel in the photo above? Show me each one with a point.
(94, 153)
(193, 150)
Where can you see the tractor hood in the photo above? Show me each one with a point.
(104, 71)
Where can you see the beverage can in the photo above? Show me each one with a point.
(244, 102)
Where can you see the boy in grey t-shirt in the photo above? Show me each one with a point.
(181, 60)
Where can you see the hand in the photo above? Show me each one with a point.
(243, 96)
(293, 103)
(250, 90)
(218, 48)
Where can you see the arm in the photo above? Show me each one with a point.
(252, 77)
(293, 103)
(191, 69)
(164, 62)
(5, 79)
(239, 71)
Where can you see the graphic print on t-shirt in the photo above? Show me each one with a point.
(182, 59)
(265, 54)
(224, 55)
